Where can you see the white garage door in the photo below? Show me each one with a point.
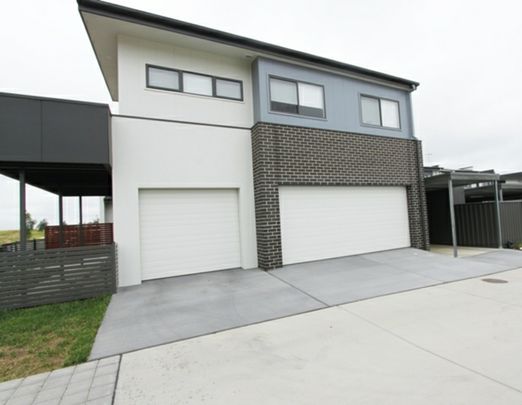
(188, 231)
(323, 222)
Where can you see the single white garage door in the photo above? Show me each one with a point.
(185, 231)
(323, 222)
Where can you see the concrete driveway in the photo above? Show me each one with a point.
(455, 343)
(174, 309)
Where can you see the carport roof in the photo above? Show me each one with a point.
(459, 178)
(64, 179)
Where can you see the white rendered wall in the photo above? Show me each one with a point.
(138, 100)
(156, 154)
(105, 210)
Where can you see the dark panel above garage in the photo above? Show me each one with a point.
(37, 129)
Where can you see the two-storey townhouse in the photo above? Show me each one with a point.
(229, 152)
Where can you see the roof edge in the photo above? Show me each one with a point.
(157, 21)
(54, 99)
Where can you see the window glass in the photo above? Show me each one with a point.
(197, 84)
(228, 88)
(370, 111)
(163, 78)
(390, 114)
(282, 91)
(311, 95)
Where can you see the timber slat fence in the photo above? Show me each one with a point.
(78, 235)
(36, 277)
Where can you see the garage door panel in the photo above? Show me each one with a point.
(324, 222)
(188, 231)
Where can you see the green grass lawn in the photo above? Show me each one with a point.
(14, 236)
(34, 340)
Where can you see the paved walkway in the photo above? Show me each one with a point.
(88, 383)
(174, 309)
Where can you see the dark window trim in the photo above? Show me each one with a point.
(181, 79)
(216, 78)
(323, 117)
(399, 128)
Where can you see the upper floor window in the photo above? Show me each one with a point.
(293, 97)
(193, 83)
(161, 78)
(380, 112)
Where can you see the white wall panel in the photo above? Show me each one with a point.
(165, 155)
(138, 100)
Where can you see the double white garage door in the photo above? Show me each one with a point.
(323, 222)
(185, 231)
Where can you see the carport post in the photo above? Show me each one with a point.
(497, 209)
(60, 218)
(81, 219)
(23, 229)
(452, 217)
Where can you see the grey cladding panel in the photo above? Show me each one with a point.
(342, 100)
(74, 133)
(20, 133)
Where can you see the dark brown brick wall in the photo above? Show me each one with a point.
(288, 155)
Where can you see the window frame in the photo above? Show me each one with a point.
(323, 118)
(150, 86)
(214, 88)
(181, 83)
(399, 128)
(198, 74)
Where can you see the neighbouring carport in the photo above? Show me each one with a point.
(449, 180)
(510, 189)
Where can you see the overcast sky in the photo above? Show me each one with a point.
(467, 55)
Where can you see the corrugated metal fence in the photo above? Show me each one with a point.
(30, 278)
(476, 223)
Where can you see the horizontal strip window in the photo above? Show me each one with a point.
(193, 83)
(293, 97)
(380, 112)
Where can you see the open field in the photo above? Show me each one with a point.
(13, 236)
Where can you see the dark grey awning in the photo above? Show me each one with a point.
(66, 179)
(62, 146)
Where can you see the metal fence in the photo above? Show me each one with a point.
(31, 244)
(476, 223)
(30, 278)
